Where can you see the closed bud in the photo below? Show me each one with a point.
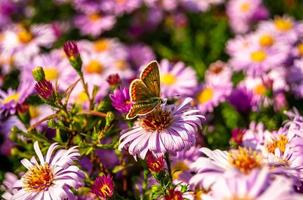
(44, 89)
(72, 52)
(113, 80)
(154, 164)
(38, 74)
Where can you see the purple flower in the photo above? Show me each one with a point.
(10, 100)
(140, 54)
(94, 23)
(259, 185)
(210, 96)
(211, 168)
(103, 187)
(167, 129)
(53, 176)
(241, 99)
(121, 100)
(177, 79)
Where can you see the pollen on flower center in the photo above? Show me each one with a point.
(300, 49)
(38, 178)
(216, 68)
(105, 189)
(260, 89)
(121, 64)
(25, 36)
(13, 97)
(266, 40)
(94, 17)
(280, 144)
(33, 111)
(205, 95)
(178, 168)
(258, 56)
(94, 66)
(101, 45)
(51, 73)
(283, 24)
(82, 97)
(245, 159)
(157, 120)
(168, 79)
(245, 7)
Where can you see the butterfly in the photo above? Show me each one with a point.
(145, 92)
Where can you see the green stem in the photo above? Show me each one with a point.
(168, 166)
(86, 91)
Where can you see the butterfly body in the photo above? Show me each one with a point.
(145, 92)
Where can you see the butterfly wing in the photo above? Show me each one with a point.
(139, 92)
(151, 78)
(143, 108)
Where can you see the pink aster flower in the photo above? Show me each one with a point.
(103, 187)
(167, 129)
(119, 7)
(11, 99)
(94, 23)
(259, 185)
(210, 96)
(218, 73)
(177, 79)
(211, 168)
(285, 28)
(52, 177)
(22, 43)
(140, 54)
(8, 185)
(56, 68)
(295, 78)
(243, 12)
(256, 60)
(180, 164)
(121, 100)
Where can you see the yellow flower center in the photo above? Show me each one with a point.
(13, 97)
(168, 79)
(38, 178)
(105, 190)
(266, 40)
(101, 45)
(245, 7)
(33, 111)
(94, 66)
(178, 168)
(300, 49)
(258, 56)
(120, 1)
(94, 17)
(82, 97)
(280, 144)
(51, 73)
(205, 95)
(245, 160)
(157, 120)
(260, 89)
(24, 36)
(283, 24)
(121, 64)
